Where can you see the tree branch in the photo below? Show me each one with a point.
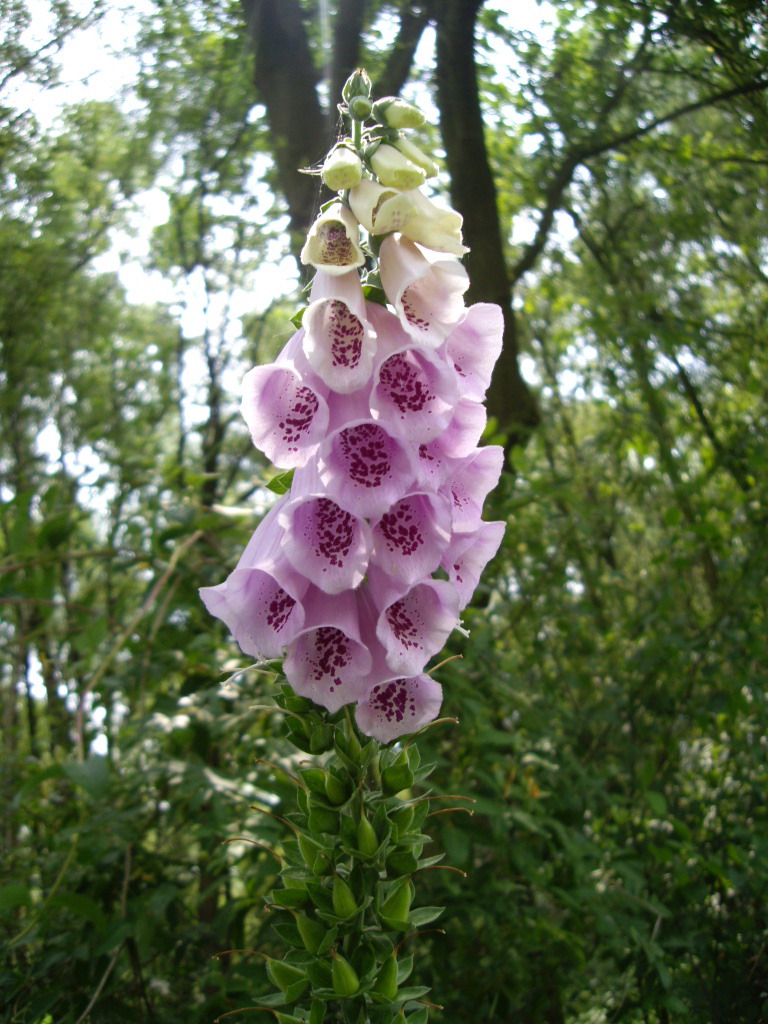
(414, 18)
(581, 154)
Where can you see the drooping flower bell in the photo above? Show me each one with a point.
(358, 575)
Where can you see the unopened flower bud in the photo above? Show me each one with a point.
(336, 790)
(342, 169)
(367, 840)
(397, 777)
(395, 170)
(358, 84)
(312, 932)
(284, 975)
(381, 210)
(417, 156)
(397, 113)
(344, 904)
(386, 981)
(396, 907)
(344, 977)
(359, 108)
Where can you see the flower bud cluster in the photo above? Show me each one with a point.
(347, 904)
(358, 575)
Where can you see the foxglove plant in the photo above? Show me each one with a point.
(358, 574)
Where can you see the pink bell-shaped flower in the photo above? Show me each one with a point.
(399, 706)
(410, 539)
(474, 478)
(412, 626)
(427, 296)
(364, 469)
(327, 661)
(329, 545)
(474, 345)
(286, 417)
(338, 341)
(468, 554)
(260, 601)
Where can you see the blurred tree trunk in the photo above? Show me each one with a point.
(286, 82)
(473, 194)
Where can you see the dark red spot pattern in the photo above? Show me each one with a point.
(392, 700)
(337, 248)
(402, 624)
(365, 450)
(329, 657)
(298, 418)
(411, 314)
(333, 532)
(279, 609)
(400, 529)
(404, 385)
(345, 332)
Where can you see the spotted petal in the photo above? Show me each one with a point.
(261, 599)
(414, 625)
(396, 707)
(338, 342)
(286, 417)
(427, 296)
(467, 556)
(329, 545)
(327, 661)
(467, 490)
(414, 394)
(364, 469)
(410, 538)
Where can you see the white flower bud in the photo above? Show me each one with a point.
(395, 170)
(342, 169)
(381, 210)
(333, 242)
(397, 113)
(417, 156)
(434, 227)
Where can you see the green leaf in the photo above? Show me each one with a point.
(92, 775)
(281, 483)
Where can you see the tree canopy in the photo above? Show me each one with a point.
(610, 161)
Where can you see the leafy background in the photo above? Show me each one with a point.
(612, 691)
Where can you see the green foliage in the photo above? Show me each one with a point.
(346, 875)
